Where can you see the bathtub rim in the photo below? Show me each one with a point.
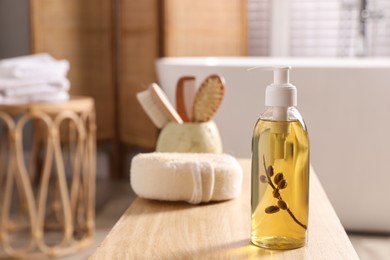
(247, 62)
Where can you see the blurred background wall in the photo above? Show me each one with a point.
(14, 28)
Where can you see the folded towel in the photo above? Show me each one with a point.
(13, 87)
(33, 78)
(191, 177)
(10, 62)
(8, 83)
(32, 66)
(37, 97)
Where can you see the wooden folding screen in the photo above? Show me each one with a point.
(137, 53)
(112, 46)
(205, 28)
(80, 31)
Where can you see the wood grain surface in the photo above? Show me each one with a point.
(80, 32)
(165, 230)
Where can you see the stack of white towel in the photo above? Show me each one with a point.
(33, 78)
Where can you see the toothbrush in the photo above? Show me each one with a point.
(157, 106)
(185, 93)
(208, 98)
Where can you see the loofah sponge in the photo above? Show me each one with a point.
(191, 177)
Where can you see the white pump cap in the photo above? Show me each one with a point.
(281, 93)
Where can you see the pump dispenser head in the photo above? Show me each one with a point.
(281, 93)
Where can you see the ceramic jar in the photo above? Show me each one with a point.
(190, 137)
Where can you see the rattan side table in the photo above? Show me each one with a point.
(47, 187)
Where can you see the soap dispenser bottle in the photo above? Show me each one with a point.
(280, 169)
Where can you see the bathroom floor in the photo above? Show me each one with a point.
(110, 205)
(371, 246)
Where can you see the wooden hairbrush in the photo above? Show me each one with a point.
(208, 98)
(185, 93)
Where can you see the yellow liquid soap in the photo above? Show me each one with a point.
(280, 184)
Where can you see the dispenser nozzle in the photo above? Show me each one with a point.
(281, 75)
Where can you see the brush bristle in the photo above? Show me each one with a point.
(154, 112)
(208, 98)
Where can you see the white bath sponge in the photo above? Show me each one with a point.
(192, 177)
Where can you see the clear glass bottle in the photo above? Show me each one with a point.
(280, 177)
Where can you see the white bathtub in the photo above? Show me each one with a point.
(346, 105)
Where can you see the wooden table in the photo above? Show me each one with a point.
(163, 230)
